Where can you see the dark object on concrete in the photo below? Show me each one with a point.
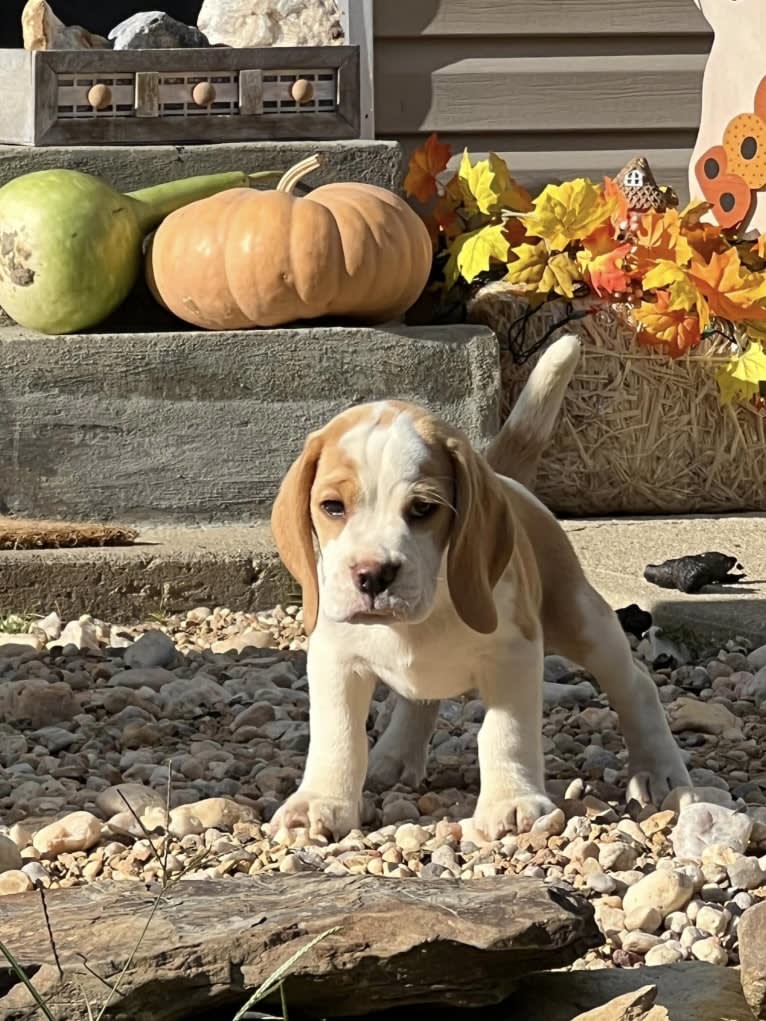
(752, 956)
(200, 428)
(634, 620)
(692, 573)
(211, 943)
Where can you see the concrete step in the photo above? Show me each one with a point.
(128, 167)
(171, 570)
(189, 427)
(167, 570)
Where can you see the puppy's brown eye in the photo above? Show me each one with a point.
(420, 509)
(333, 508)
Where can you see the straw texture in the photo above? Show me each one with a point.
(639, 433)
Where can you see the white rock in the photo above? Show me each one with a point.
(680, 797)
(14, 881)
(80, 633)
(638, 942)
(410, 837)
(677, 921)
(647, 919)
(709, 950)
(271, 22)
(78, 831)
(712, 920)
(700, 825)
(551, 824)
(617, 855)
(654, 644)
(210, 813)
(110, 801)
(183, 822)
(745, 873)
(10, 856)
(664, 890)
(50, 626)
(154, 648)
(669, 952)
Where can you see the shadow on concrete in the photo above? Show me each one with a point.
(704, 617)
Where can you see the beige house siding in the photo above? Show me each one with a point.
(560, 88)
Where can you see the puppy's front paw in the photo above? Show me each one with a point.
(333, 817)
(495, 818)
(650, 782)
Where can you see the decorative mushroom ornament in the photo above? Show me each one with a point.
(728, 165)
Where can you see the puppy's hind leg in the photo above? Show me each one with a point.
(594, 639)
(402, 749)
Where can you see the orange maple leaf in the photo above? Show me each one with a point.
(678, 328)
(604, 262)
(425, 164)
(621, 213)
(732, 292)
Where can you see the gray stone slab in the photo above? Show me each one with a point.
(168, 570)
(193, 427)
(138, 166)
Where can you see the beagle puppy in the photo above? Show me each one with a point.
(438, 572)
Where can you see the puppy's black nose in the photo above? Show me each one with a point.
(374, 578)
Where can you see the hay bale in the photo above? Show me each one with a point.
(639, 433)
(23, 533)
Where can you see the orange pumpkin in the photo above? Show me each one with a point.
(264, 258)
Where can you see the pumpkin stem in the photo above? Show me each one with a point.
(291, 177)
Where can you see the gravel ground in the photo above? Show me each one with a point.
(210, 711)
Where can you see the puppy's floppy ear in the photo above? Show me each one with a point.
(292, 529)
(481, 542)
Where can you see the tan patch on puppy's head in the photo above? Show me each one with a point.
(444, 490)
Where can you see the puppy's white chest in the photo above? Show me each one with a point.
(424, 670)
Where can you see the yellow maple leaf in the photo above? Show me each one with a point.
(488, 186)
(684, 294)
(471, 253)
(659, 236)
(536, 271)
(732, 292)
(568, 212)
(741, 377)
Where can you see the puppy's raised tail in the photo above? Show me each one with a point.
(516, 450)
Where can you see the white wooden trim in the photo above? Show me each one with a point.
(356, 17)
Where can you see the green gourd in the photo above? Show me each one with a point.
(71, 246)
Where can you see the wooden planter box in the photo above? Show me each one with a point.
(217, 94)
(639, 433)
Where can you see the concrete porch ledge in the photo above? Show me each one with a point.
(128, 167)
(181, 427)
(176, 569)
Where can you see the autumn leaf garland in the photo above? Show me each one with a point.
(677, 272)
